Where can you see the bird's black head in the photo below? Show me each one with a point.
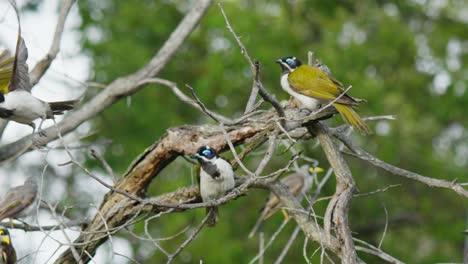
(288, 64)
(2, 97)
(205, 153)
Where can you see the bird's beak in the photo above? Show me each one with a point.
(279, 61)
(195, 156)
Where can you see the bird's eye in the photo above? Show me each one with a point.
(207, 152)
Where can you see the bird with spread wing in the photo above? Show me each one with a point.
(16, 101)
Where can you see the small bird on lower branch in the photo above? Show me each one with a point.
(312, 86)
(216, 177)
(7, 251)
(298, 184)
(20, 201)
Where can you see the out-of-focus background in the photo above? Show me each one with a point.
(406, 58)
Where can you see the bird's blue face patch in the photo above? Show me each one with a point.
(292, 62)
(207, 153)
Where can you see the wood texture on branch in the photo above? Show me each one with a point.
(337, 209)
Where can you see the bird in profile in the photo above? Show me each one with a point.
(20, 201)
(312, 86)
(16, 101)
(7, 251)
(298, 184)
(216, 177)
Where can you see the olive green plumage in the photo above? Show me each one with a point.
(311, 87)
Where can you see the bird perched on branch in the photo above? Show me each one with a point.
(7, 251)
(216, 177)
(311, 86)
(298, 184)
(20, 201)
(16, 101)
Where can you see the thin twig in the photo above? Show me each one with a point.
(41, 66)
(189, 239)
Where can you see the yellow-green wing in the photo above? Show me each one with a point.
(6, 70)
(313, 82)
(10, 205)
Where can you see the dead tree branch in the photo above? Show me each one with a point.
(360, 153)
(337, 210)
(44, 64)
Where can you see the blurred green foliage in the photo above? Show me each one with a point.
(407, 58)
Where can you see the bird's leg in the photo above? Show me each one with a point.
(39, 130)
(285, 214)
(292, 103)
(35, 142)
(33, 127)
(11, 223)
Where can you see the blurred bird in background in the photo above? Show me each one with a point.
(16, 101)
(20, 201)
(298, 183)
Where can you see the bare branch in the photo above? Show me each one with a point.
(190, 239)
(360, 153)
(337, 210)
(44, 64)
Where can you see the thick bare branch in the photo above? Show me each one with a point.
(337, 210)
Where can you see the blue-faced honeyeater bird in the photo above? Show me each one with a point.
(298, 183)
(16, 101)
(7, 251)
(311, 87)
(216, 178)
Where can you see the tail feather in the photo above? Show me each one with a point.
(59, 107)
(212, 213)
(352, 118)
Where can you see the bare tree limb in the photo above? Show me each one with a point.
(360, 153)
(44, 64)
(337, 210)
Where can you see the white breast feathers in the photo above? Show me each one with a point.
(304, 101)
(212, 188)
(26, 108)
